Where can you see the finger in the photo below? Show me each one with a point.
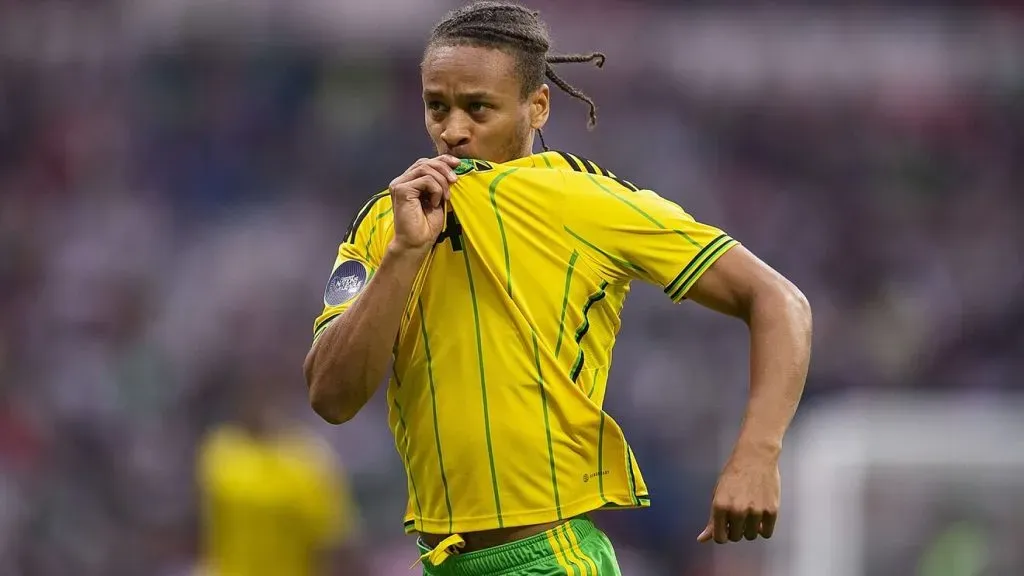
(442, 168)
(445, 172)
(705, 536)
(445, 178)
(737, 523)
(426, 189)
(449, 160)
(442, 172)
(721, 525)
(434, 195)
(768, 524)
(753, 524)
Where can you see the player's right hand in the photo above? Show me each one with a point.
(419, 197)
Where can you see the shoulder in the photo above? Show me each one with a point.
(588, 169)
(374, 208)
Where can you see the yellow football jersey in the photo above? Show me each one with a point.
(269, 506)
(502, 359)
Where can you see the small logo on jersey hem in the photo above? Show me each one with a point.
(346, 282)
(594, 475)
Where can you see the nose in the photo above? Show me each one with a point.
(455, 134)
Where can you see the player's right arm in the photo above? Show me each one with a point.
(352, 348)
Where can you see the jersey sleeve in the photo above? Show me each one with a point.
(636, 234)
(359, 256)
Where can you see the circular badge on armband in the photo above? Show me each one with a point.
(346, 282)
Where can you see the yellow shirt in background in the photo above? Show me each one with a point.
(270, 506)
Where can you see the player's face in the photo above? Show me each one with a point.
(473, 104)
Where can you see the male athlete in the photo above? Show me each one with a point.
(492, 279)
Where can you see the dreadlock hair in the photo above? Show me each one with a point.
(517, 30)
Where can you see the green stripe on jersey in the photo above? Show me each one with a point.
(373, 231)
(625, 201)
(483, 390)
(547, 425)
(501, 228)
(632, 479)
(433, 406)
(600, 459)
(405, 455)
(565, 300)
(615, 259)
(643, 213)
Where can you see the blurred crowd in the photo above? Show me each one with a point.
(168, 219)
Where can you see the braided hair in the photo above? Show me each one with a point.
(508, 26)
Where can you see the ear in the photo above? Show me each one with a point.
(540, 106)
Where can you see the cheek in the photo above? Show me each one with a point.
(513, 124)
(434, 129)
(430, 125)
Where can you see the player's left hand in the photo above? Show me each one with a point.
(746, 500)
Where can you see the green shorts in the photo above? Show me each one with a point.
(576, 548)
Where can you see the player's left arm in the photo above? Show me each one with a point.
(746, 499)
(629, 233)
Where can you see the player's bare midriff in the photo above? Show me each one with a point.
(490, 538)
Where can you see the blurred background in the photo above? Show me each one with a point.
(175, 177)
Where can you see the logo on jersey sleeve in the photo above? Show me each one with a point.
(347, 280)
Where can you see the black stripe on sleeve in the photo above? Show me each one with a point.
(353, 227)
(323, 323)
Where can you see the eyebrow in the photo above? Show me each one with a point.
(474, 95)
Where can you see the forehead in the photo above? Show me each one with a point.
(468, 69)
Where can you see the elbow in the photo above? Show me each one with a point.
(328, 406)
(798, 307)
(782, 300)
(325, 403)
(328, 409)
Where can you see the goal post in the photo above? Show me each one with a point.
(834, 448)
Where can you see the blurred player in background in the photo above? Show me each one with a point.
(274, 499)
(492, 279)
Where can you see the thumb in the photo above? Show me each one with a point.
(705, 535)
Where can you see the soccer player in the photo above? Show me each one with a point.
(491, 279)
(274, 499)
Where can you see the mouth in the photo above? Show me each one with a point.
(459, 152)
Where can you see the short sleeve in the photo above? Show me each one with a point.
(637, 234)
(359, 256)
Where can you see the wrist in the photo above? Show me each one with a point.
(410, 255)
(758, 447)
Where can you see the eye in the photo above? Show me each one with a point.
(436, 106)
(477, 107)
